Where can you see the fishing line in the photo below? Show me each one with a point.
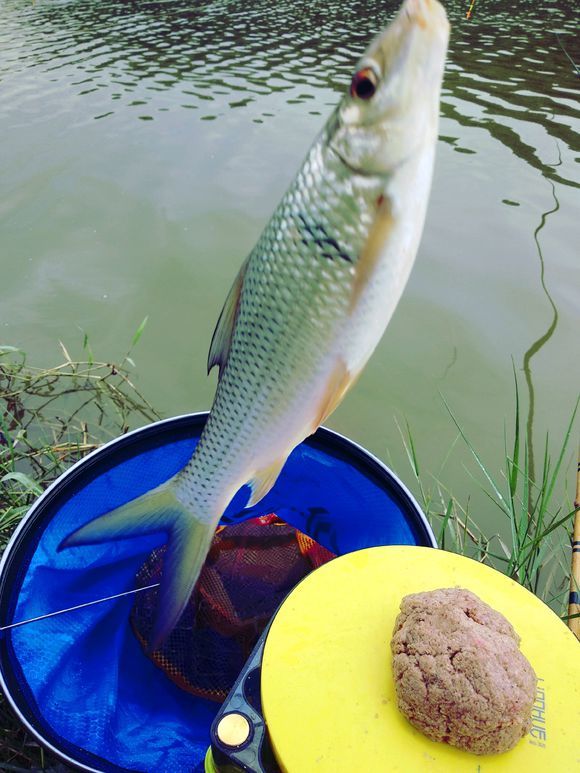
(572, 62)
(78, 606)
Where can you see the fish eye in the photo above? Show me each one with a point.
(364, 83)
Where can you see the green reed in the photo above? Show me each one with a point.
(533, 547)
(51, 417)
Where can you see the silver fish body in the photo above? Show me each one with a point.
(290, 329)
(311, 301)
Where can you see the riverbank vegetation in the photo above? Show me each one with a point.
(537, 507)
(51, 417)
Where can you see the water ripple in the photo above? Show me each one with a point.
(508, 66)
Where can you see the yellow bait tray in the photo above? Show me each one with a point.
(327, 693)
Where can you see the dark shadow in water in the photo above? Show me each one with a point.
(543, 339)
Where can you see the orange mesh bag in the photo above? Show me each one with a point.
(250, 568)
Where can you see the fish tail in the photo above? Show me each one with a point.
(188, 541)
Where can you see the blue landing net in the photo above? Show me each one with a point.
(81, 679)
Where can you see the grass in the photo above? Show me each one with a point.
(50, 418)
(534, 545)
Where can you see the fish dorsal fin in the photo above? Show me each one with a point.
(222, 335)
(263, 481)
(371, 252)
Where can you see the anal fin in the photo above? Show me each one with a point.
(263, 481)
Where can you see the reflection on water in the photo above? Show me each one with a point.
(503, 76)
(210, 55)
(541, 341)
(213, 56)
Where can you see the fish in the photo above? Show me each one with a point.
(310, 302)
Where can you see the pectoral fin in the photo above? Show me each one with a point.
(340, 381)
(372, 250)
(222, 336)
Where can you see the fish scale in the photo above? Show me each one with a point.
(283, 325)
(310, 303)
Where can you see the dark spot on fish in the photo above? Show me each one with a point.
(315, 234)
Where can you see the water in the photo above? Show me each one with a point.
(145, 144)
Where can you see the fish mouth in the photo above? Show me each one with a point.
(425, 13)
(416, 33)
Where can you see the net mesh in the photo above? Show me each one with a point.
(249, 570)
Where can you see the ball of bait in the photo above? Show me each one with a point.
(459, 674)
